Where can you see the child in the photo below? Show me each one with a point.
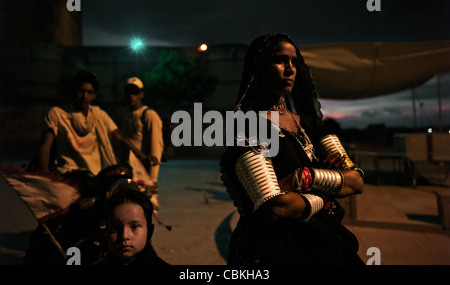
(130, 228)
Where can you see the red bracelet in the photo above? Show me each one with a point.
(307, 179)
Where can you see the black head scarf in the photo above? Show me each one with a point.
(304, 95)
(304, 103)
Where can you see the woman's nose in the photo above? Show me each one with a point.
(289, 67)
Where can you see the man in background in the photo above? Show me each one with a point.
(142, 126)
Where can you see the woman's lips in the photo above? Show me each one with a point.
(287, 82)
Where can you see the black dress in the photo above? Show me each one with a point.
(320, 240)
(147, 256)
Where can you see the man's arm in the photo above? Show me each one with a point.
(153, 126)
(127, 144)
(45, 146)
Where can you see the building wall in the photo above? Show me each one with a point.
(35, 77)
(40, 52)
(114, 65)
(26, 21)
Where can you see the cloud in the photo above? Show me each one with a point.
(370, 113)
(395, 110)
(392, 111)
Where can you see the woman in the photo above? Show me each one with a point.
(289, 215)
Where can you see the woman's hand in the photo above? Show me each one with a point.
(334, 161)
(353, 183)
(288, 206)
(288, 183)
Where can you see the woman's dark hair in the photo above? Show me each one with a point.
(85, 76)
(259, 53)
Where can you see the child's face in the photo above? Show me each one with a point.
(127, 231)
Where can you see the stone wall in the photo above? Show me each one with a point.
(40, 52)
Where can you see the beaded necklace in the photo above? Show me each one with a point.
(302, 138)
(280, 106)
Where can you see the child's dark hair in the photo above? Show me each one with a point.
(127, 192)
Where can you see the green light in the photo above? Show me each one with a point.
(136, 44)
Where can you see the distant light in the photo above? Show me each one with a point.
(430, 130)
(203, 47)
(136, 44)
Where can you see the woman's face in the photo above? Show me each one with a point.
(127, 231)
(278, 75)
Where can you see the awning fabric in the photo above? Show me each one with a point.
(45, 197)
(363, 70)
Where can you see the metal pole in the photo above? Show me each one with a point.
(440, 102)
(414, 109)
(54, 241)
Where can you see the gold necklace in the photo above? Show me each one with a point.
(280, 106)
(307, 145)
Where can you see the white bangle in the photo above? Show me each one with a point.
(315, 203)
(327, 181)
(256, 174)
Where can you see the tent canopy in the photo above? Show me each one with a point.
(363, 70)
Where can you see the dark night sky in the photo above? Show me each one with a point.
(192, 22)
(189, 22)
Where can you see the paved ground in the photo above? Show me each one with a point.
(400, 221)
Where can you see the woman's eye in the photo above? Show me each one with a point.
(285, 60)
(280, 60)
